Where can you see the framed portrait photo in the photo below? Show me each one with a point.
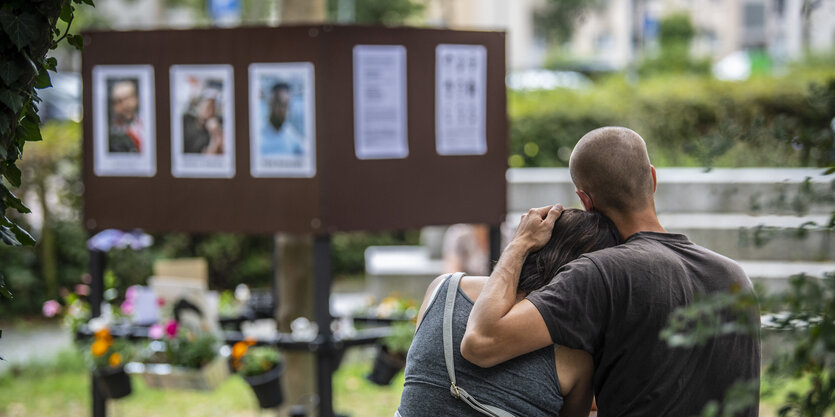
(202, 121)
(124, 133)
(282, 120)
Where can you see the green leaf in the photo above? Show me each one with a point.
(10, 71)
(13, 101)
(90, 2)
(77, 41)
(4, 291)
(31, 128)
(12, 201)
(67, 11)
(43, 80)
(829, 171)
(22, 28)
(4, 125)
(8, 237)
(23, 236)
(51, 63)
(12, 173)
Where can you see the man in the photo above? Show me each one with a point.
(613, 303)
(278, 136)
(126, 129)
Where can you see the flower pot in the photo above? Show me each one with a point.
(386, 366)
(113, 383)
(267, 387)
(158, 375)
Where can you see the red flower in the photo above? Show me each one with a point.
(171, 329)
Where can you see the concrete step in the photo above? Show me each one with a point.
(775, 275)
(758, 238)
(742, 236)
(721, 190)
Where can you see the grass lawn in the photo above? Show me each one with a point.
(61, 389)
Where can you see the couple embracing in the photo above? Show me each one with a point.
(574, 307)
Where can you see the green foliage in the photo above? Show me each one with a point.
(402, 333)
(191, 349)
(375, 12)
(686, 120)
(257, 360)
(676, 33)
(29, 31)
(806, 314)
(557, 19)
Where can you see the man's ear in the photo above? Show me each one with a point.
(585, 199)
(654, 178)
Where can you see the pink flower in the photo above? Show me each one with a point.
(51, 308)
(82, 289)
(127, 307)
(130, 293)
(156, 331)
(160, 301)
(171, 329)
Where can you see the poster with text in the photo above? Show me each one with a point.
(380, 130)
(460, 103)
(124, 134)
(202, 121)
(282, 120)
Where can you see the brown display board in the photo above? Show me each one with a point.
(346, 193)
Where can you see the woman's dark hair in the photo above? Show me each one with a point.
(576, 232)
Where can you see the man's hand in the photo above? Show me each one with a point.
(535, 229)
(499, 328)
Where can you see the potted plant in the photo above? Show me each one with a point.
(391, 356)
(185, 358)
(261, 367)
(107, 357)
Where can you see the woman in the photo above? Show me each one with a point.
(547, 382)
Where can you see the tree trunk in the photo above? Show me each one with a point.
(294, 277)
(46, 246)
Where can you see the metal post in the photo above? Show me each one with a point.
(321, 297)
(495, 245)
(98, 260)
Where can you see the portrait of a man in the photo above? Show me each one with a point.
(126, 130)
(282, 137)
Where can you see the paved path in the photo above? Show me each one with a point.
(30, 342)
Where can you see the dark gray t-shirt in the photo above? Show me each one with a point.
(613, 303)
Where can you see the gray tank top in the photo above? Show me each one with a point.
(523, 386)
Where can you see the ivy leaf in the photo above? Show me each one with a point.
(67, 11)
(4, 291)
(8, 237)
(76, 41)
(23, 236)
(13, 101)
(31, 129)
(12, 173)
(829, 171)
(9, 71)
(51, 63)
(43, 80)
(12, 201)
(22, 29)
(4, 125)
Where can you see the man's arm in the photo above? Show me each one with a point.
(499, 328)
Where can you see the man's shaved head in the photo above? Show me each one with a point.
(611, 165)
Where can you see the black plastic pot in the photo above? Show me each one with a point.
(113, 383)
(386, 366)
(267, 387)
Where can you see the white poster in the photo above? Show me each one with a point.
(380, 130)
(124, 133)
(202, 121)
(282, 120)
(460, 84)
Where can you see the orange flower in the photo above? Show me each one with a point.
(100, 347)
(115, 359)
(239, 349)
(103, 334)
